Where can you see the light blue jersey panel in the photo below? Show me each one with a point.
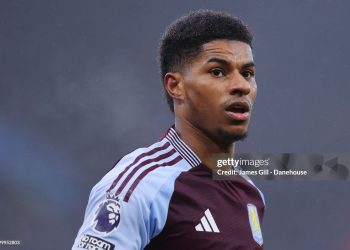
(160, 205)
(130, 218)
(160, 200)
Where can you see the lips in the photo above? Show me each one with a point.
(238, 111)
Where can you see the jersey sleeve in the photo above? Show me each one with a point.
(112, 224)
(129, 206)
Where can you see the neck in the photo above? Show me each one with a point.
(204, 147)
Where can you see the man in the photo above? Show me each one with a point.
(163, 196)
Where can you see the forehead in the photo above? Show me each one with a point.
(235, 51)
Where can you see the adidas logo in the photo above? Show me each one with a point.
(207, 223)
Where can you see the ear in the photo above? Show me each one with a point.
(173, 83)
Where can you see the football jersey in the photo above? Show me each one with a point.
(163, 197)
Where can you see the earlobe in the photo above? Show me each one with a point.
(173, 84)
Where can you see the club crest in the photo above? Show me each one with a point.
(255, 224)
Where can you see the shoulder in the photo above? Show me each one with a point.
(133, 198)
(143, 172)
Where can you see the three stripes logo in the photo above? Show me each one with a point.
(207, 223)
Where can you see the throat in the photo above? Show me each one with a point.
(205, 147)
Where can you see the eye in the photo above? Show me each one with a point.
(217, 72)
(248, 74)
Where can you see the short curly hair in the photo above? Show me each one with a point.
(183, 39)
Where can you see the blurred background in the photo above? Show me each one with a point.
(79, 88)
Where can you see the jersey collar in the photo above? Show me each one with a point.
(181, 147)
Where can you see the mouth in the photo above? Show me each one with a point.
(239, 111)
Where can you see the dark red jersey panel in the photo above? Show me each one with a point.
(207, 214)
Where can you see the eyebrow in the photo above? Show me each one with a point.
(247, 65)
(226, 63)
(218, 60)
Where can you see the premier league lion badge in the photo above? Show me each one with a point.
(107, 215)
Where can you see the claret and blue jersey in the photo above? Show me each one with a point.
(163, 197)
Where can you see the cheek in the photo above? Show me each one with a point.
(203, 98)
(253, 93)
(194, 92)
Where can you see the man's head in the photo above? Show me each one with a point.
(208, 73)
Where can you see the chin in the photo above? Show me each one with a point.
(233, 136)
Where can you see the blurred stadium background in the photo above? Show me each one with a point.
(79, 88)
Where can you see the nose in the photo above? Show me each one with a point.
(239, 85)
